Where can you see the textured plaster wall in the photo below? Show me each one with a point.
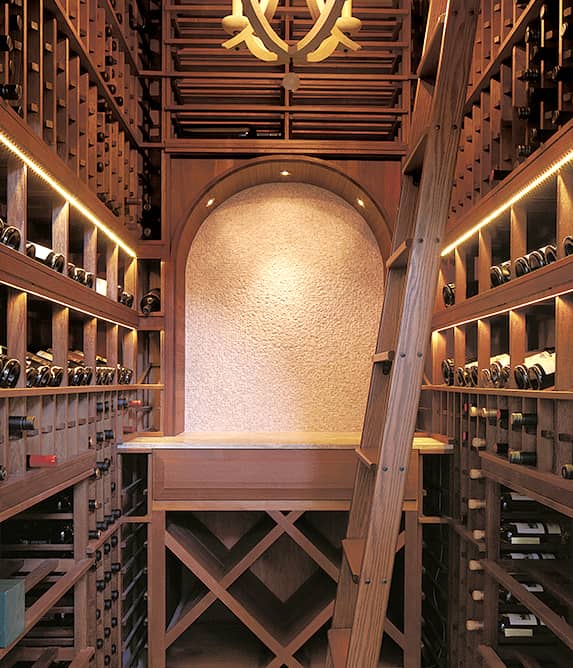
(284, 286)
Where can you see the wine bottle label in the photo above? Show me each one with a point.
(553, 529)
(518, 633)
(519, 497)
(523, 555)
(101, 286)
(548, 555)
(530, 528)
(521, 619)
(534, 588)
(525, 540)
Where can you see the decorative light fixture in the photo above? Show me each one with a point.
(333, 25)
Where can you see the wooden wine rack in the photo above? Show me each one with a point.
(70, 180)
(498, 216)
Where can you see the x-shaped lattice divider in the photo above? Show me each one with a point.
(218, 580)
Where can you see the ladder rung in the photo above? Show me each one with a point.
(385, 356)
(399, 257)
(428, 67)
(353, 549)
(423, 441)
(339, 642)
(415, 160)
(368, 457)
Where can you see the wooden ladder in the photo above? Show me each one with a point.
(355, 637)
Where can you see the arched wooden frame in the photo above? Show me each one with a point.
(310, 171)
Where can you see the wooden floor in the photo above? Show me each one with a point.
(230, 645)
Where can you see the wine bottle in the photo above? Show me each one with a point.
(20, 423)
(151, 301)
(470, 409)
(467, 375)
(500, 273)
(501, 449)
(536, 556)
(11, 92)
(541, 374)
(448, 371)
(9, 371)
(449, 294)
(41, 461)
(567, 471)
(522, 457)
(3, 473)
(9, 235)
(47, 256)
(515, 502)
(518, 627)
(531, 533)
(542, 257)
(568, 245)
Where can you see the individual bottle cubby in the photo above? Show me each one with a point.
(134, 490)
(78, 64)
(518, 99)
(134, 599)
(104, 621)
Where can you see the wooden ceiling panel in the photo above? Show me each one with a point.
(363, 95)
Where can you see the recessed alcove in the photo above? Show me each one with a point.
(284, 285)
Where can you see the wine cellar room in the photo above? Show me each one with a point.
(286, 290)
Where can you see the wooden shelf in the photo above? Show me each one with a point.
(13, 126)
(490, 657)
(553, 621)
(505, 392)
(540, 161)
(36, 611)
(24, 490)
(28, 275)
(549, 489)
(353, 549)
(545, 283)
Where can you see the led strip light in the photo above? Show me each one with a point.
(73, 201)
(66, 305)
(484, 316)
(544, 176)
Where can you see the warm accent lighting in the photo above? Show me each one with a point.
(544, 176)
(333, 25)
(285, 173)
(484, 316)
(360, 202)
(210, 202)
(72, 201)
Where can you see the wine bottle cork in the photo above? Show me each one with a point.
(474, 625)
(475, 565)
(478, 595)
(478, 443)
(478, 534)
(476, 504)
(475, 474)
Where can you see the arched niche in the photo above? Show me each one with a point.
(284, 284)
(254, 172)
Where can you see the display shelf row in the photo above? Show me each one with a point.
(517, 348)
